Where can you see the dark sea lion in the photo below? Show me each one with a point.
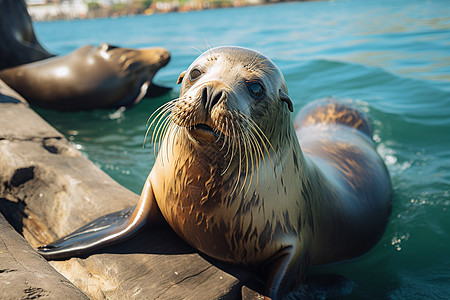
(88, 78)
(18, 43)
(232, 179)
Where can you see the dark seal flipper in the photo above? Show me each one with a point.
(134, 98)
(18, 43)
(145, 89)
(155, 90)
(106, 230)
(96, 234)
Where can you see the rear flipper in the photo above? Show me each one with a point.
(323, 286)
(107, 230)
(282, 273)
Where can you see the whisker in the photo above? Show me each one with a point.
(240, 159)
(160, 108)
(257, 150)
(254, 128)
(258, 129)
(160, 133)
(173, 130)
(245, 156)
(165, 108)
(231, 143)
(225, 139)
(169, 127)
(159, 125)
(219, 128)
(208, 46)
(195, 48)
(249, 148)
(264, 139)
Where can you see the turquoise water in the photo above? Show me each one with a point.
(392, 57)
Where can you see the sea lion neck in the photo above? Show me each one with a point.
(206, 154)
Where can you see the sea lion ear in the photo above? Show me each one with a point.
(284, 97)
(180, 78)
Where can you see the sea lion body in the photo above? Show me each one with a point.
(355, 199)
(315, 197)
(233, 180)
(88, 78)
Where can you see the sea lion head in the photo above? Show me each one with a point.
(125, 61)
(232, 92)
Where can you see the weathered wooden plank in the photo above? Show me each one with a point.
(47, 190)
(24, 274)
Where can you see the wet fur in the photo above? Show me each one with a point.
(247, 191)
(307, 201)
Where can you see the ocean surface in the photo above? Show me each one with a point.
(392, 57)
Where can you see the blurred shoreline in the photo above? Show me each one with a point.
(52, 10)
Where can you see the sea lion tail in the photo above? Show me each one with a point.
(332, 111)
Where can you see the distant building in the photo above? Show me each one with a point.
(42, 10)
(256, 2)
(36, 2)
(109, 3)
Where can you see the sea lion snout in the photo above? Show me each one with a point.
(206, 108)
(163, 54)
(155, 56)
(212, 94)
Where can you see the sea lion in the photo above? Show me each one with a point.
(88, 78)
(232, 179)
(18, 43)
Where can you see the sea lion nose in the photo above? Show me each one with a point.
(211, 96)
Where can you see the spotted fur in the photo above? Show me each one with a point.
(273, 195)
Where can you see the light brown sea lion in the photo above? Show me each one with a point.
(18, 43)
(232, 179)
(88, 78)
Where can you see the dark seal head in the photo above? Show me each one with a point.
(88, 78)
(233, 180)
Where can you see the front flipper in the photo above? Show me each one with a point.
(155, 90)
(140, 90)
(107, 230)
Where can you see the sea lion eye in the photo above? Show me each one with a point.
(110, 47)
(106, 47)
(195, 74)
(256, 88)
